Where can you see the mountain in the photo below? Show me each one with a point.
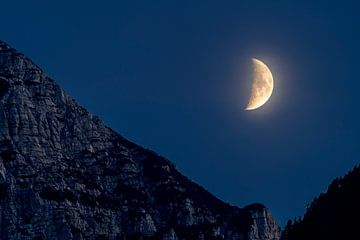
(332, 215)
(65, 175)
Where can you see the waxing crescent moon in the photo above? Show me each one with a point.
(262, 85)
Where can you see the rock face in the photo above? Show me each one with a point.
(263, 226)
(65, 175)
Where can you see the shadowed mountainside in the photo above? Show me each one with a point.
(332, 215)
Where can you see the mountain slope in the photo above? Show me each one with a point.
(333, 215)
(65, 175)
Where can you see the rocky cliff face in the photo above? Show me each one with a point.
(65, 175)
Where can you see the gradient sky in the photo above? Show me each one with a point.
(174, 76)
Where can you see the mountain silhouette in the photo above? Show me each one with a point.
(332, 215)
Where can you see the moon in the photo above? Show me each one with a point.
(262, 85)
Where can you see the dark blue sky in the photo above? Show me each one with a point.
(173, 76)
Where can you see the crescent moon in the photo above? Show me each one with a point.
(262, 85)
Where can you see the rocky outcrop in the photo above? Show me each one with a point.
(65, 175)
(263, 226)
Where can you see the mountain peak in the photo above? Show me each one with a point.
(65, 175)
(3, 45)
(16, 68)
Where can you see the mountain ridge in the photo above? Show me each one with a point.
(65, 175)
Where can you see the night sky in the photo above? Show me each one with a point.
(174, 76)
